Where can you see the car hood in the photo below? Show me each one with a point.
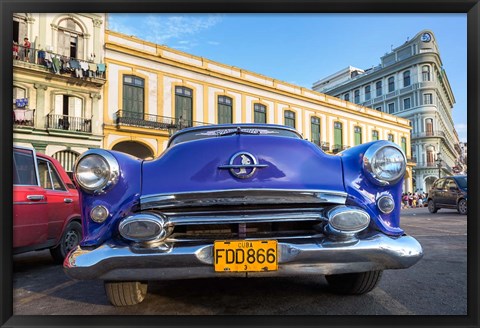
(205, 165)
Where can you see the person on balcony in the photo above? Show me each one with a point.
(15, 50)
(26, 49)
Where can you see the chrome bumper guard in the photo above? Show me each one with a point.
(188, 260)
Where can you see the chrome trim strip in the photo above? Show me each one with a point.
(195, 260)
(29, 203)
(200, 218)
(241, 197)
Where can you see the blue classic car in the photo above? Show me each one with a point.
(241, 200)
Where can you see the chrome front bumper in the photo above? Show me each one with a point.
(195, 260)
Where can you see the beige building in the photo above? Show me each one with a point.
(57, 107)
(153, 90)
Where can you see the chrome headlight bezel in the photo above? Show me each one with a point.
(111, 177)
(369, 162)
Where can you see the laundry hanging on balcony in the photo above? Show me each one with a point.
(22, 102)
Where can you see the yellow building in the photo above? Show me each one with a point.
(152, 91)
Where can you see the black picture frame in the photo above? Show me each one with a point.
(469, 7)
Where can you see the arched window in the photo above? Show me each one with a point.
(426, 73)
(391, 84)
(374, 135)
(358, 135)
(184, 106)
(356, 96)
(70, 39)
(67, 114)
(404, 145)
(289, 118)
(315, 130)
(378, 88)
(368, 93)
(337, 137)
(430, 156)
(225, 113)
(19, 96)
(429, 127)
(259, 113)
(406, 78)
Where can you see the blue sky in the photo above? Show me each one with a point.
(304, 48)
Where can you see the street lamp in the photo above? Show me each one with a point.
(439, 164)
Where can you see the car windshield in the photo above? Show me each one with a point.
(223, 131)
(462, 182)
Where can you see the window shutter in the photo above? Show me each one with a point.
(22, 31)
(58, 105)
(80, 47)
(62, 37)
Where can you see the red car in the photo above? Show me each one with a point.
(46, 206)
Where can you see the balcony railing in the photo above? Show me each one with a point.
(338, 148)
(60, 64)
(68, 123)
(428, 134)
(143, 120)
(24, 117)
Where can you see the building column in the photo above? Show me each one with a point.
(96, 40)
(41, 147)
(40, 111)
(95, 113)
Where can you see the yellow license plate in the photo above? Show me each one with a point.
(245, 255)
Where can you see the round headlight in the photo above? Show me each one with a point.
(385, 163)
(96, 170)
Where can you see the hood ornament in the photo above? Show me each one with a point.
(243, 165)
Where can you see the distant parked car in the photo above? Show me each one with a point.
(46, 207)
(449, 192)
(241, 200)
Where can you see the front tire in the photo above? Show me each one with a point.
(354, 283)
(70, 239)
(462, 206)
(123, 293)
(432, 208)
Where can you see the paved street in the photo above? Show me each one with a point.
(437, 285)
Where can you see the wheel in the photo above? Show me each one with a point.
(432, 208)
(70, 239)
(462, 206)
(354, 283)
(122, 293)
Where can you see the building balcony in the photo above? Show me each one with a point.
(57, 64)
(68, 123)
(23, 117)
(428, 134)
(433, 165)
(338, 148)
(150, 121)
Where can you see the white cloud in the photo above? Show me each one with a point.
(161, 29)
